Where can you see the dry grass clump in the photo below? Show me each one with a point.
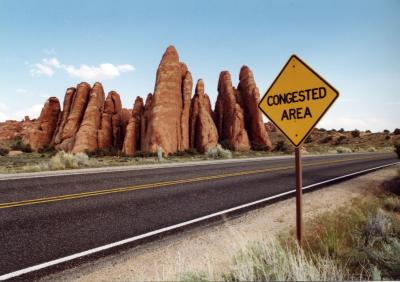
(342, 150)
(270, 260)
(219, 153)
(63, 160)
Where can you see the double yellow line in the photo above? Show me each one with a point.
(158, 184)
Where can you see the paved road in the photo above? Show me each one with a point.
(42, 219)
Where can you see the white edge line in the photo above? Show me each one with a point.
(172, 227)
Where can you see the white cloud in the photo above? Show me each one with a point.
(32, 111)
(48, 67)
(103, 71)
(42, 69)
(52, 62)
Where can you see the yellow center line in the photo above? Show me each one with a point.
(159, 184)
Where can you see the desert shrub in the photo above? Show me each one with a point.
(63, 160)
(371, 149)
(103, 152)
(226, 144)
(270, 260)
(341, 130)
(355, 133)
(185, 153)
(282, 146)
(47, 149)
(218, 153)
(387, 137)
(326, 139)
(19, 145)
(397, 149)
(145, 154)
(342, 150)
(258, 147)
(4, 151)
(308, 139)
(386, 131)
(367, 131)
(396, 131)
(322, 129)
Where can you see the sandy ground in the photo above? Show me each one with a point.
(212, 247)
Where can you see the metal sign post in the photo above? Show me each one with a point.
(299, 195)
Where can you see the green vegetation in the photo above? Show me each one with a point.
(19, 145)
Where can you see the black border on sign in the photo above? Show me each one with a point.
(313, 126)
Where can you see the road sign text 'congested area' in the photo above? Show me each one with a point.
(297, 100)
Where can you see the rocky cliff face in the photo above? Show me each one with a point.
(170, 118)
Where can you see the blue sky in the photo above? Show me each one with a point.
(48, 46)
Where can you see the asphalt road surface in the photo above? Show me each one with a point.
(46, 218)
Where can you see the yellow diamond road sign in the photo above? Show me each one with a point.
(297, 100)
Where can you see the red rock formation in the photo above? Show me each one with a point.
(110, 132)
(249, 96)
(203, 132)
(144, 122)
(86, 137)
(187, 86)
(125, 116)
(75, 116)
(42, 133)
(69, 97)
(164, 124)
(9, 131)
(132, 136)
(229, 116)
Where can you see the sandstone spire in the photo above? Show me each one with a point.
(249, 96)
(229, 116)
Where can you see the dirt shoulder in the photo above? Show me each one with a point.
(211, 248)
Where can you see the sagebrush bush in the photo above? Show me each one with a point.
(342, 150)
(63, 160)
(218, 153)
